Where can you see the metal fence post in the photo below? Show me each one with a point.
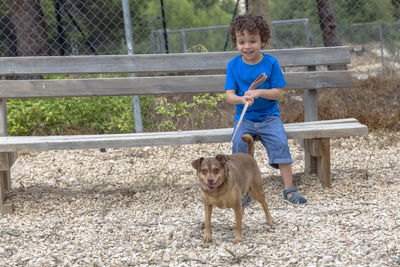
(183, 37)
(129, 43)
(381, 47)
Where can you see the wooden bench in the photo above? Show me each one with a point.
(316, 134)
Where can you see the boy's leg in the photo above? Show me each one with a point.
(273, 137)
(289, 194)
(287, 176)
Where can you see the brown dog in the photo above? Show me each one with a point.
(225, 179)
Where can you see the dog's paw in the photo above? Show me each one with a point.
(207, 237)
(270, 222)
(237, 240)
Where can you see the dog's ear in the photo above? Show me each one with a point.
(222, 158)
(197, 163)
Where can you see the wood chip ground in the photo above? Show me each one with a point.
(141, 206)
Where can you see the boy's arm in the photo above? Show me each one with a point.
(233, 98)
(272, 94)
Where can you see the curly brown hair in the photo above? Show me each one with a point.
(251, 23)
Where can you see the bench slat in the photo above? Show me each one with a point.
(347, 120)
(323, 129)
(163, 62)
(157, 85)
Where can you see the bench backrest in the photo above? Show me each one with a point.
(188, 65)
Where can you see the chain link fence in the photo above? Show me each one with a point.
(82, 27)
(88, 27)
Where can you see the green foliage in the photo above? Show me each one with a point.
(347, 11)
(209, 104)
(103, 115)
(197, 110)
(70, 115)
(182, 14)
(171, 111)
(363, 11)
(281, 10)
(351, 15)
(286, 36)
(190, 13)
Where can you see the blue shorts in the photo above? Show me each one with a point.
(272, 135)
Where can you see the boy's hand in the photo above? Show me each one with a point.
(251, 93)
(247, 99)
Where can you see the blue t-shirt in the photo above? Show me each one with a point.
(239, 77)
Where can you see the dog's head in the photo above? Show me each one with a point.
(212, 172)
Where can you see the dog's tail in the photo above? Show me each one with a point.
(250, 144)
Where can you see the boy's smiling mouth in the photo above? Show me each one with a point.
(248, 54)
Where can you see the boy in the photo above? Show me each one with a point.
(250, 33)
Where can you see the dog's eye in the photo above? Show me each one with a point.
(203, 171)
(216, 170)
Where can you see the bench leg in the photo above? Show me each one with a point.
(310, 163)
(324, 162)
(318, 159)
(5, 208)
(6, 161)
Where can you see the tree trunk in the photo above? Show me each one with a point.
(329, 27)
(261, 7)
(7, 32)
(328, 24)
(30, 27)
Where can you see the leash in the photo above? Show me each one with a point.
(259, 80)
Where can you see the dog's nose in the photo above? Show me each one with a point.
(210, 180)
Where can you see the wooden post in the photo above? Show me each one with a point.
(310, 162)
(5, 208)
(310, 114)
(324, 161)
(2, 191)
(6, 160)
(319, 149)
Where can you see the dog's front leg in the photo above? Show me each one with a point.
(238, 223)
(207, 223)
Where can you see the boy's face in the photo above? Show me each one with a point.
(249, 46)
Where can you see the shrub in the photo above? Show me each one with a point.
(88, 115)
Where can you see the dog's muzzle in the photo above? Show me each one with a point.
(210, 184)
